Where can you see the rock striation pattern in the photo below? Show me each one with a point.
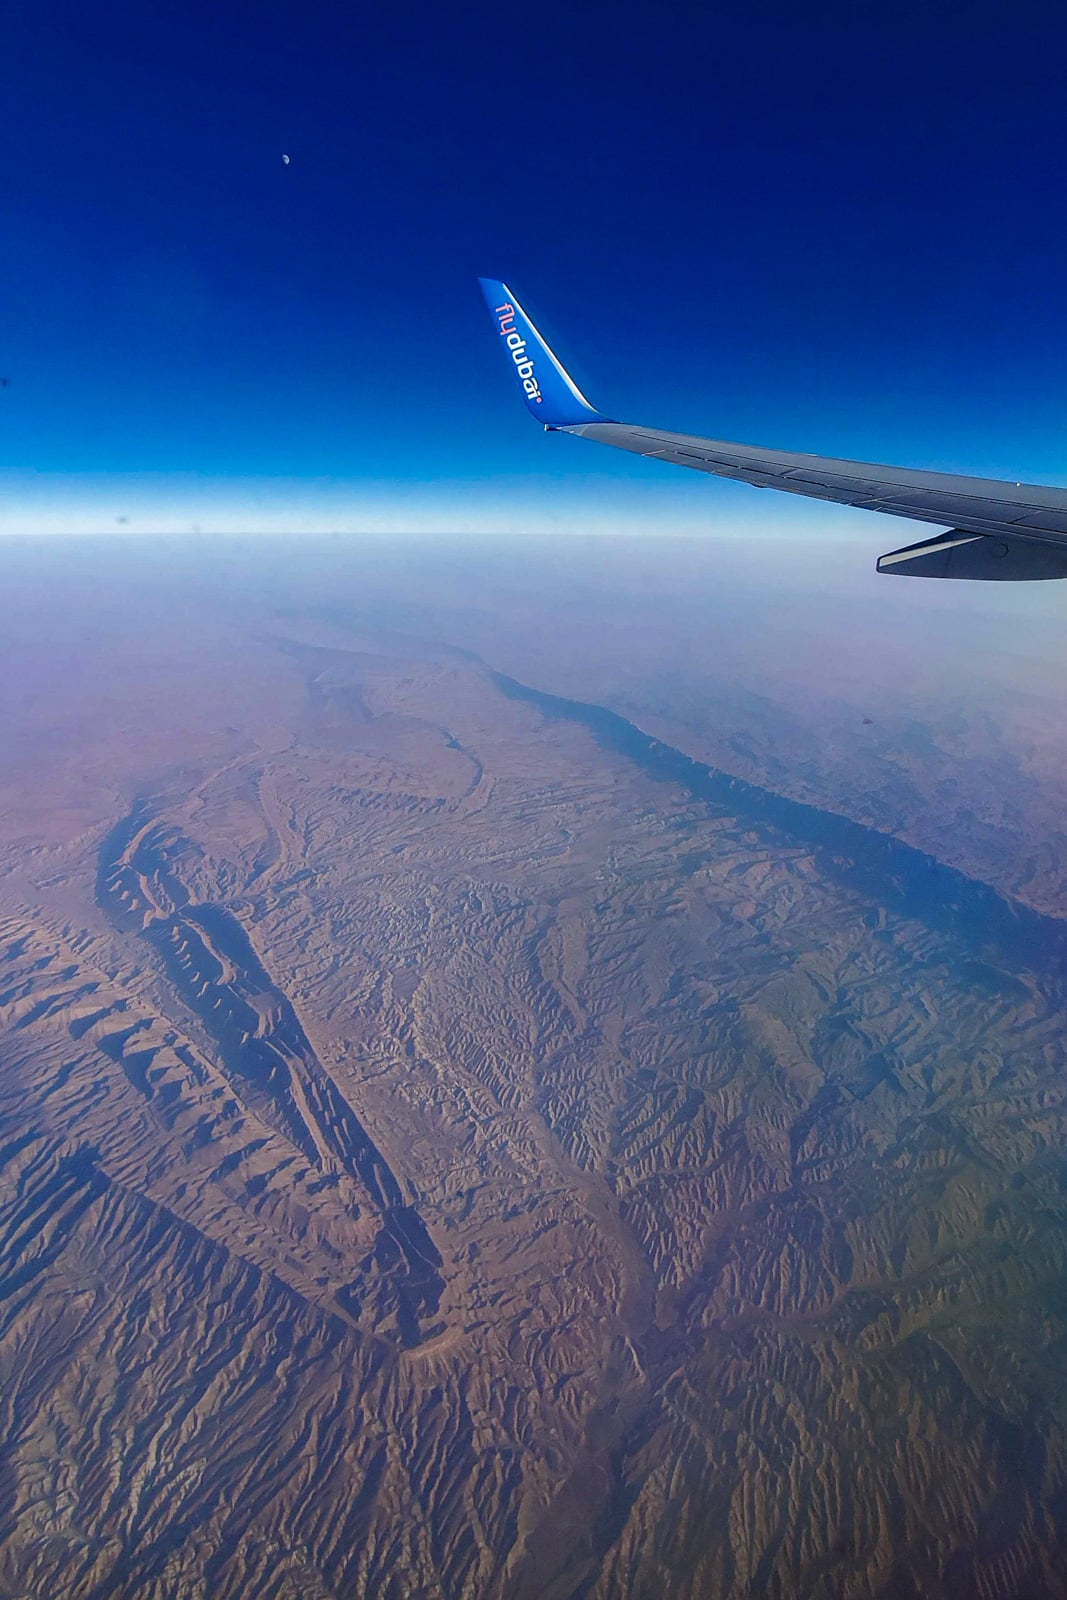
(443, 1155)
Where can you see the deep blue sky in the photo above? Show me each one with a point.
(827, 227)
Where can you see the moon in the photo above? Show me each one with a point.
(286, 160)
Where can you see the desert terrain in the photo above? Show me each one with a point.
(472, 1126)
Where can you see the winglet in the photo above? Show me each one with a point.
(550, 394)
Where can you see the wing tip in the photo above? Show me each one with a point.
(549, 392)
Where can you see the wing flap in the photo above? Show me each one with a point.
(960, 554)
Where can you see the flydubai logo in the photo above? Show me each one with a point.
(505, 315)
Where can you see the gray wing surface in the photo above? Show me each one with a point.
(983, 505)
(986, 508)
(996, 530)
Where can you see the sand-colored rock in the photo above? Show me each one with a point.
(440, 1158)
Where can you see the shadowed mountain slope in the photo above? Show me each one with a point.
(445, 1152)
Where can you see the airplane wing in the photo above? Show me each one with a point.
(995, 530)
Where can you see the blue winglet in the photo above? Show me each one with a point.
(550, 394)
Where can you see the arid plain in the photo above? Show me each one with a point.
(454, 1144)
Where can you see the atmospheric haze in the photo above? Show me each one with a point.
(532, 1068)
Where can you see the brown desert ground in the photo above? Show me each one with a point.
(493, 1110)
